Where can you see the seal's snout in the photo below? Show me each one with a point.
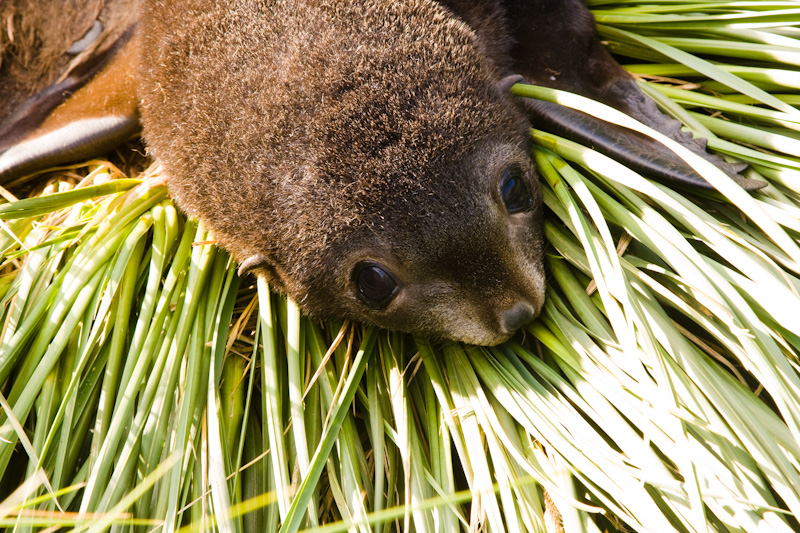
(517, 316)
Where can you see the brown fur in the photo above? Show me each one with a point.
(32, 44)
(374, 133)
(35, 35)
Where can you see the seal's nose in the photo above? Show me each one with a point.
(516, 317)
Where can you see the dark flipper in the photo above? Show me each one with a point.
(635, 150)
(73, 141)
(554, 44)
(86, 114)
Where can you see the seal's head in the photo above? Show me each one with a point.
(370, 167)
(455, 251)
(426, 221)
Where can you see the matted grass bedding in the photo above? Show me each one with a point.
(146, 387)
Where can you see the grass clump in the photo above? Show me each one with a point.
(146, 387)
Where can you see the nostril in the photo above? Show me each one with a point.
(516, 317)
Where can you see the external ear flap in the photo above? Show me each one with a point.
(252, 263)
(262, 265)
(635, 150)
(88, 113)
(505, 84)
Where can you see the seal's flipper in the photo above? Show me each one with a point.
(564, 52)
(635, 150)
(86, 114)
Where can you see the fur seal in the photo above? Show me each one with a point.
(364, 156)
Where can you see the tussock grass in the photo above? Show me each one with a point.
(146, 387)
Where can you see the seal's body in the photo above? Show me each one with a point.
(364, 156)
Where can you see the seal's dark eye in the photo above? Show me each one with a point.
(514, 191)
(375, 285)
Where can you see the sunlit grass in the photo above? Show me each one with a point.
(152, 389)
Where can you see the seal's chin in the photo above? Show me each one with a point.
(486, 338)
(487, 341)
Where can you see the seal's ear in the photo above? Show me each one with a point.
(91, 111)
(504, 85)
(263, 265)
